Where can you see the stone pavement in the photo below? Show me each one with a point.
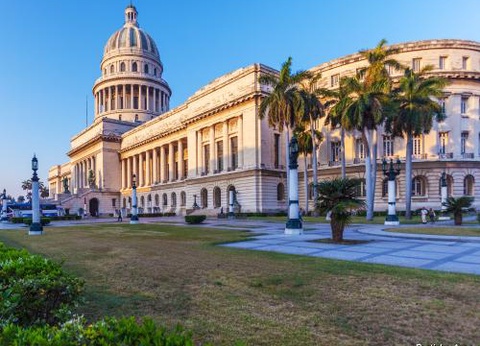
(444, 253)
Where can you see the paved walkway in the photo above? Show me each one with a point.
(451, 254)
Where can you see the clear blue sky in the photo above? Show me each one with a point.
(51, 53)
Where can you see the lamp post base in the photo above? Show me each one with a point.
(444, 218)
(134, 220)
(231, 215)
(294, 227)
(36, 228)
(392, 220)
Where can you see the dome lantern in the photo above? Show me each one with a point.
(131, 15)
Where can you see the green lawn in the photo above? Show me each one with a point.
(355, 219)
(445, 230)
(176, 275)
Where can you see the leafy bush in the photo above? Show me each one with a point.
(478, 217)
(16, 220)
(110, 331)
(195, 219)
(44, 221)
(34, 290)
(66, 217)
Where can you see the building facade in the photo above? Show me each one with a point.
(215, 142)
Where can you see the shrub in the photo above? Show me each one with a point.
(478, 217)
(16, 220)
(44, 221)
(34, 290)
(195, 219)
(109, 331)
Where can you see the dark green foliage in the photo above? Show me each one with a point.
(339, 196)
(152, 215)
(457, 206)
(44, 221)
(195, 219)
(16, 220)
(110, 331)
(34, 290)
(66, 217)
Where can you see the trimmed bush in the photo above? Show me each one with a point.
(34, 290)
(16, 220)
(110, 331)
(195, 219)
(44, 221)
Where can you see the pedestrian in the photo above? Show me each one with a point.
(423, 214)
(431, 215)
(119, 214)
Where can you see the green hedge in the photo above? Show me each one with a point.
(34, 290)
(66, 217)
(152, 214)
(44, 221)
(110, 331)
(195, 219)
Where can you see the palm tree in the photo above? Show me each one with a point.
(414, 115)
(312, 110)
(44, 192)
(369, 107)
(306, 147)
(337, 102)
(27, 184)
(339, 196)
(457, 206)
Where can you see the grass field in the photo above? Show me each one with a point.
(452, 230)
(355, 219)
(176, 275)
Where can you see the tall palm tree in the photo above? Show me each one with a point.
(370, 91)
(336, 104)
(306, 147)
(27, 184)
(414, 115)
(312, 109)
(281, 105)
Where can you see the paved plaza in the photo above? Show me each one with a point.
(444, 253)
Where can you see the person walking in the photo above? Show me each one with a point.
(431, 215)
(423, 214)
(119, 214)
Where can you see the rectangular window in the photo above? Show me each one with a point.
(465, 62)
(463, 105)
(334, 80)
(463, 142)
(114, 202)
(206, 158)
(335, 151)
(388, 146)
(220, 156)
(234, 151)
(417, 145)
(276, 150)
(442, 103)
(416, 62)
(359, 148)
(442, 62)
(443, 137)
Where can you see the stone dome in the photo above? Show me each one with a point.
(130, 36)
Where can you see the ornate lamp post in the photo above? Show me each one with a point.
(4, 217)
(391, 173)
(195, 205)
(444, 195)
(134, 217)
(231, 197)
(36, 227)
(294, 224)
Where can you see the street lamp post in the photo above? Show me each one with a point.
(294, 224)
(231, 197)
(391, 173)
(36, 227)
(195, 205)
(4, 217)
(134, 217)
(444, 195)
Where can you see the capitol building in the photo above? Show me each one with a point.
(216, 142)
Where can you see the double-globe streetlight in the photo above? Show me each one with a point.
(392, 171)
(294, 223)
(36, 227)
(134, 217)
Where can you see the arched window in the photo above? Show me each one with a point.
(112, 68)
(145, 68)
(310, 191)
(280, 192)
(183, 198)
(157, 200)
(419, 186)
(142, 202)
(204, 198)
(468, 185)
(217, 197)
(165, 201)
(449, 185)
(155, 71)
(174, 199)
(385, 187)
(149, 200)
(122, 67)
(361, 189)
(124, 202)
(134, 67)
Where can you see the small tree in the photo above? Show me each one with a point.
(457, 206)
(339, 197)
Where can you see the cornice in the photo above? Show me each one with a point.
(101, 137)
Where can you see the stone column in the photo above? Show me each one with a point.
(141, 176)
(162, 163)
(131, 96)
(212, 149)
(148, 176)
(155, 99)
(155, 165)
(129, 172)
(180, 160)
(171, 161)
(135, 166)
(124, 174)
(117, 97)
(226, 146)
(148, 98)
(240, 141)
(199, 153)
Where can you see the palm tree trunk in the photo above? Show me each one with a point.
(342, 143)
(314, 163)
(408, 177)
(287, 160)
(305, 179)
(370, 169)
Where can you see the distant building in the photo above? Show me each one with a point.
(215, 141)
